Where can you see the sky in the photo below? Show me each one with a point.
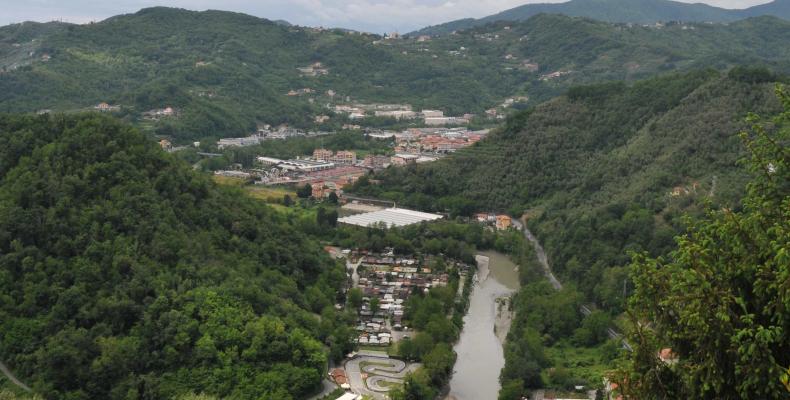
(366, 15)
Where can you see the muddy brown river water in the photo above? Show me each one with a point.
(480, 353)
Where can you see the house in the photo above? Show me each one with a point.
(339, 376)
(667, 356)
(165, 144)
(403, 159)
(530, 66)
(103, 107)
(503, 222)
(376, 162)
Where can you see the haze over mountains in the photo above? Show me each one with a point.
(623, 11)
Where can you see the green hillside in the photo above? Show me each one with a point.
(623, 11)
(595, 169)
(124, 274)
(225, 73)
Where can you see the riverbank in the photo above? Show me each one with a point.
(504, 318)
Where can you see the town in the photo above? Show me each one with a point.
(329, 172)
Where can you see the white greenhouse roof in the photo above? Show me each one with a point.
(389, 216)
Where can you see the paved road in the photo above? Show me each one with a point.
(13, 378)
(327, 387)
(544, 261)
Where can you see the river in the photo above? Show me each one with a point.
(480, 353)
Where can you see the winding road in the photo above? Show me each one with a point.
(13, 378)
(544, 263)
(380, 371)
(542, 258)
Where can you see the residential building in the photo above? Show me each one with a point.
(503, 222)
(322, 154)
(345, 157)
(432, 114)
(376, 162)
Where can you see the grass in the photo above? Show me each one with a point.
(583, 363)
(228, 181)
(364, 364)
(270, 194)
(375, 348)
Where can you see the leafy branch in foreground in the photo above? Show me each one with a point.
(721, 301)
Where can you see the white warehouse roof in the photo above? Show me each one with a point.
(389, 216)
(349, 396)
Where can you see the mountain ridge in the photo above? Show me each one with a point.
(225, 74)
(619, 11)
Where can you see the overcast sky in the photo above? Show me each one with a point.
(367, 15)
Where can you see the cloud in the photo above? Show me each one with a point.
(369, 15)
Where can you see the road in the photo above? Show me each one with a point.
(13, 378)
(390, 370)
(353, 267)
(544, 263)
(327, 387)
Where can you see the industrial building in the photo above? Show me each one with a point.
(391, 217)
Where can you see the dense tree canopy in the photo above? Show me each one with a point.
(124, 274)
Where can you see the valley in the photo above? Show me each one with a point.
(581, 200)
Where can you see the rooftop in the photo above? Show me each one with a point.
(389, 216)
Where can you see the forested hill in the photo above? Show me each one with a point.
(623, 11)
(603, 170)
(225, 73)
(124, 274)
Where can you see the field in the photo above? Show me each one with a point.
(270, 194)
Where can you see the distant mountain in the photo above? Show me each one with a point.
(226, 73)
(623, 11)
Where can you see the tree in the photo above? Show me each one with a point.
(332, 198)
(354, 298)
(439, 363)
(594, 329)
(721, 300)
(287, 201)
(512, 390)
(304, 192)
(374, 305)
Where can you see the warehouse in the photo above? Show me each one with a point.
(391, 217)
